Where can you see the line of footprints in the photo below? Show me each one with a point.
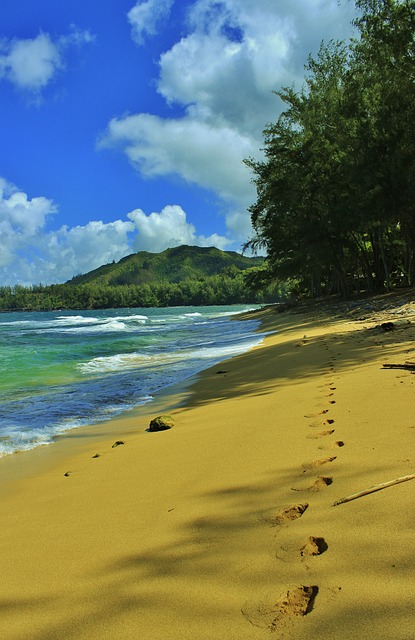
(298, 601)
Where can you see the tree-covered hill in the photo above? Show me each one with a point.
(172, 265)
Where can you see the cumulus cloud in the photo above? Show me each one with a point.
(210, 156)
(169, 228)
(222, 73)
(147, 16)
(31, 253)
(31, 64)
(74, 250)
(21, 219)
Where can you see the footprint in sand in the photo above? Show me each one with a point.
(318, 484)
(315, 424)
(321, 434)
(291, 552)
(335, 445)
(275, 615)
(314, 547)
(288, 514)
(315, 415)
(317, 463)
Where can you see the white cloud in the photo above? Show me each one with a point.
(222, 74)
(210, 156)
(169, 228)
(146, 17)
(31, 64)
(83, 248)
(21, 220)
(30, 253)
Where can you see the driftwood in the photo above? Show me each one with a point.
(409, 366)
(377, 487)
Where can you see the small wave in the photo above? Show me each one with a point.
(139, 319)
(102, 326)
(21, 323)
(130, 361)
(24, 440)
(76, 320)
(107, 364)
(238, 312)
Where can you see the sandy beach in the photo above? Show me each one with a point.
(223, 527)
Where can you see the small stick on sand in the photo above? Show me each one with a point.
(377, 487)
(409, 366)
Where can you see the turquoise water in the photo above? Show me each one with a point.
(60, 370)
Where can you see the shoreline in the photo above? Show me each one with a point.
(26, 462)
(194, 532)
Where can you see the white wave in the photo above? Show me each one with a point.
(30, 439)
(191, 315)
(128, 361)
(76, 320)
(102, 326)
(236, 313)
(16, 323)
(118, 362)
(114, 325)
(137, 318)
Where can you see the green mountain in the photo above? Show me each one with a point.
(172, 265)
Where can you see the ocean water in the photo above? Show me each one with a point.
(61, 370)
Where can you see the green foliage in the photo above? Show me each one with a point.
(208, 276)
(336, 191)
(173, 265)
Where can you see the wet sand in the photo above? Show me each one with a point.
(224, 526)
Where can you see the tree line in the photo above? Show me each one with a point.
(335, 206)
(234, 288)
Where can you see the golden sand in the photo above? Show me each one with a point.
(223, 528)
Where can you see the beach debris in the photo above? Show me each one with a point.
(314, 547)
(409, 366)
(390, 326)
(296, 602)
(222, 371)
(376, 487)
(97, 455)
(67, 474)
(117, 443)
(161, 423)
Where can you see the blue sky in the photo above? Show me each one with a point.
(123, 124)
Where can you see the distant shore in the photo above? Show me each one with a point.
(224, 525)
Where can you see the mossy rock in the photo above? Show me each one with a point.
(161, 423)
